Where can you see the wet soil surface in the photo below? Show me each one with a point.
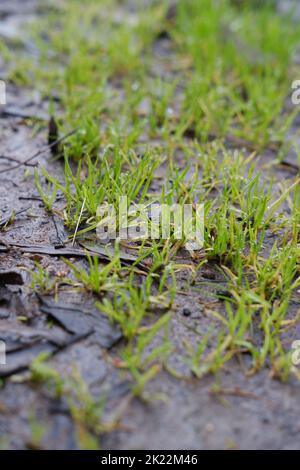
(251, 412)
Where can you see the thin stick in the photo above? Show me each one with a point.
(78, 221)
(19, 114)
(40, 152)
(14, 160)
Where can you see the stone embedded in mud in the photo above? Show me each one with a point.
(186, 312)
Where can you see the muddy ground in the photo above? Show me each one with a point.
(251, 413)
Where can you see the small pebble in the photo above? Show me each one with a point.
(186, 312)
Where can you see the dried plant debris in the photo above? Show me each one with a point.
(77, 320)
(24, 343)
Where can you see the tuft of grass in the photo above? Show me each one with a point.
(99, 280)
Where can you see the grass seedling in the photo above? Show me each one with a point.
(98, 279)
